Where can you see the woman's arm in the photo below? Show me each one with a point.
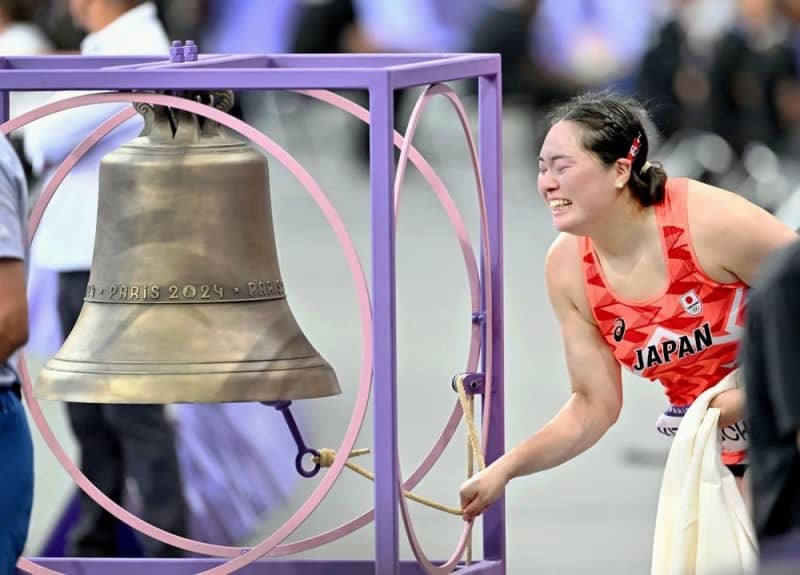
(13, 297)
(591, 410)
(731, 406)
(13, 307)
(595, 380)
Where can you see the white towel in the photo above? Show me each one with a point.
(702, 524)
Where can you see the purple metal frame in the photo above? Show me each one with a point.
(380, 74)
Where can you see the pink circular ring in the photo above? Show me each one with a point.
(454, 420)
(429, 93)
(362, 399)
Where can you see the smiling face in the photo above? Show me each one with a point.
(577, 187)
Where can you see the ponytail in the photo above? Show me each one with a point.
(648, 184)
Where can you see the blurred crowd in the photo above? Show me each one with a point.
(720, 77)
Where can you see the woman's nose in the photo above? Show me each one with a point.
(547, 182)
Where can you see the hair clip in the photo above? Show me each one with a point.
(634, 151)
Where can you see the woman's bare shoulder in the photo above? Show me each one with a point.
(563, 257)
(564, 274)
(730, 231)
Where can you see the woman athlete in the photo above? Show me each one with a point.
(648, 272)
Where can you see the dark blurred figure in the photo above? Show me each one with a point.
(673, 75)
(183, 19)
(504, 28)
(330, 27)
(19, 35)
(324, 27)
(370, 27)
(789, 90)
(753, 69)
(771, 368)
(54, 18)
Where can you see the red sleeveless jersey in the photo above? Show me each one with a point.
(687, 337)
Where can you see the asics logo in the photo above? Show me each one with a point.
(619, 330)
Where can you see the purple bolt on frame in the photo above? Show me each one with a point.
(176, 54)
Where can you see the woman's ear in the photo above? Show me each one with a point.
(622, 168)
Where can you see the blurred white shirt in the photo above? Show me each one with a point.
(23, 39)
(65, 239)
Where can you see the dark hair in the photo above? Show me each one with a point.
(610, 125)
(19, 10)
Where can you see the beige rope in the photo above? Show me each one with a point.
(327, 456)
(472, 433)
(468, 413)
(473, 444)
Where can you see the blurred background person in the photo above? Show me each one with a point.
(673, 72)
(239, 27)
(751, 64)
(367, 27)
(115, 442)
(506, 27)
(771, 368)
(16, 463)
(19, 35)
(599, 43)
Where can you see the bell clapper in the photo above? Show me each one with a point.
(302, 448)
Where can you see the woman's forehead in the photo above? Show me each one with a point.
(562, 139)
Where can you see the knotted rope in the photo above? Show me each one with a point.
(327, 456)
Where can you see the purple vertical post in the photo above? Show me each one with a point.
(4, 105)
(5, 95)
(490, 133)
(383, 301)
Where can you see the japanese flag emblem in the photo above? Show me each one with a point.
(691, 303)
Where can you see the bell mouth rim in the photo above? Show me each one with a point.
(90, 385)
(163, 367)
(220, 145)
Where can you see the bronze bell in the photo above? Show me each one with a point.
(185, 301)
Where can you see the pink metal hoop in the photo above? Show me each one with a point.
(429, 93)
(453, 421)
(362, 398)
